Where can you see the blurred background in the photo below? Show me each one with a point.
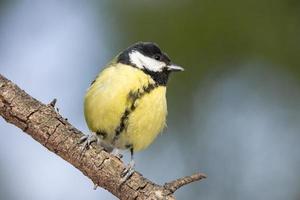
(234, 114)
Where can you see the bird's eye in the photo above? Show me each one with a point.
(157, 57)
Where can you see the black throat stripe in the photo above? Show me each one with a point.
(161, 78)
(132, 97)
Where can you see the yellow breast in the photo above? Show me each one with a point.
(146, 121)
(110, 96)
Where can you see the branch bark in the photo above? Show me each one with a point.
(54, 132)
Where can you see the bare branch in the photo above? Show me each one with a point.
(178, 183)
(54, 132)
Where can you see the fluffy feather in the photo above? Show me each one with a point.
(108, 98)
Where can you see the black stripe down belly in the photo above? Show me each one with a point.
(133, 96)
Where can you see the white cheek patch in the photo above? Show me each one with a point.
(142, 62)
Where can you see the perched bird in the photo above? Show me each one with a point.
(125, 107)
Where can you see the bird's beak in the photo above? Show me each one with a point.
(175, 68)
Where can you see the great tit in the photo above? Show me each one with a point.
(125, 107)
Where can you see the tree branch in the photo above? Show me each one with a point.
(54, 132)
(178, 183)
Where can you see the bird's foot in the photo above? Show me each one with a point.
(87, 140)
(115, 152)
(128, 171)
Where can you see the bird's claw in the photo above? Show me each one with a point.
(87, 140)
(117, 154)
(128, 171)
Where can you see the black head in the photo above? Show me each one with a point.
(148, 57)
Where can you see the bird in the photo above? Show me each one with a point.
(125, 107)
